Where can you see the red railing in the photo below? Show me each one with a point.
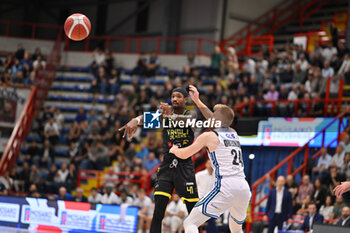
(32, 106)
(275, 18)
(33, 30)
(289, 160)
(247, 108)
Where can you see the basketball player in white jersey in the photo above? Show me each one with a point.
(230, 191)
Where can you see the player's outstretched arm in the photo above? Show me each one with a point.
(207, 113)
(207, 139)
(342, 188)
(131, 127)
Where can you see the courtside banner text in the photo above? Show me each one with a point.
(64, 216)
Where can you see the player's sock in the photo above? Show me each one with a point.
(159, 210)
(234, 226)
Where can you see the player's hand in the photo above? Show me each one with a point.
(194, 93)
(166, 109)
(342, 188)
(174, 149)
(130, 128)
(265, 218)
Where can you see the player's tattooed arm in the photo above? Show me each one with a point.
(207, 113)
(208, 139)
(131, 127)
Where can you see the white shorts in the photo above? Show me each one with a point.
(229, 193)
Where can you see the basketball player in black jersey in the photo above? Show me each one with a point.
(173, 173)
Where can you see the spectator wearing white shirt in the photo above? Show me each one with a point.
(249, 65)
(323, 163)
(59, 119)
(338, 157)
(98, 56)
(6, 180)
(95, 197)
(303, 62)
(39, 63)
(62, 174)
(146, 210)
(346, 143)
(345, 66)
(327, 70)
(327, 209)
(51, 131)
(174, 214)
(110, 198)
(329, 51)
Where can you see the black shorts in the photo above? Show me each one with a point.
(178, 175)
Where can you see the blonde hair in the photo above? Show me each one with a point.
(226, 112)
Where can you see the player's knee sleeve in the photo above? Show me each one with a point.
(234, 226)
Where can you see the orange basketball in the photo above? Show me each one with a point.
(77, 27)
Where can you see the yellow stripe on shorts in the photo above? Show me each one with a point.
(162, 194)
(189, 199)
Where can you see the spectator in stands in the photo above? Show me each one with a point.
(36, 53)
(110, 197)
(303, 208)
(291, 186)
(59, 119)
(151, 162)
(46, 157)
(279, 206)
(72, 177)
(191, 63)
(63, 195)
(81, 115)
(95, 197)
(299, 75)
(125, 199)
(7, 181)
(39, 63)
(96, 158)
(79, 196)
(303, 62)
(141, 65)
(3, 190)
(24, 176)
(327, 209)
(345, 217)
(312, 218)
(327, 70)
(175, 213)
(322, 164)
(145, 210)
(344, 66)
(74, 132)
(319, 194)
(345, 142)
(231, 61)
(19, 54)
(217, 62)
(62, 174)
(338, 157)
(346, 168)
(152, 64)
(50, 184)
(272, 94)
(99, 58)
(114, 82)
(33, 191)
(286, 76)
(329, 51)
(34, 176)
(305, 189)
(338, 206)
(109, 61)
(51, 131)
(32, 151)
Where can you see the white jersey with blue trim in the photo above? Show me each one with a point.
(227, 157)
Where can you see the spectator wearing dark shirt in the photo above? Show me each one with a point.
(79, 196)
(312, 218)
(81, 115)
(19, 54)
(152, 64)
(63, 195)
